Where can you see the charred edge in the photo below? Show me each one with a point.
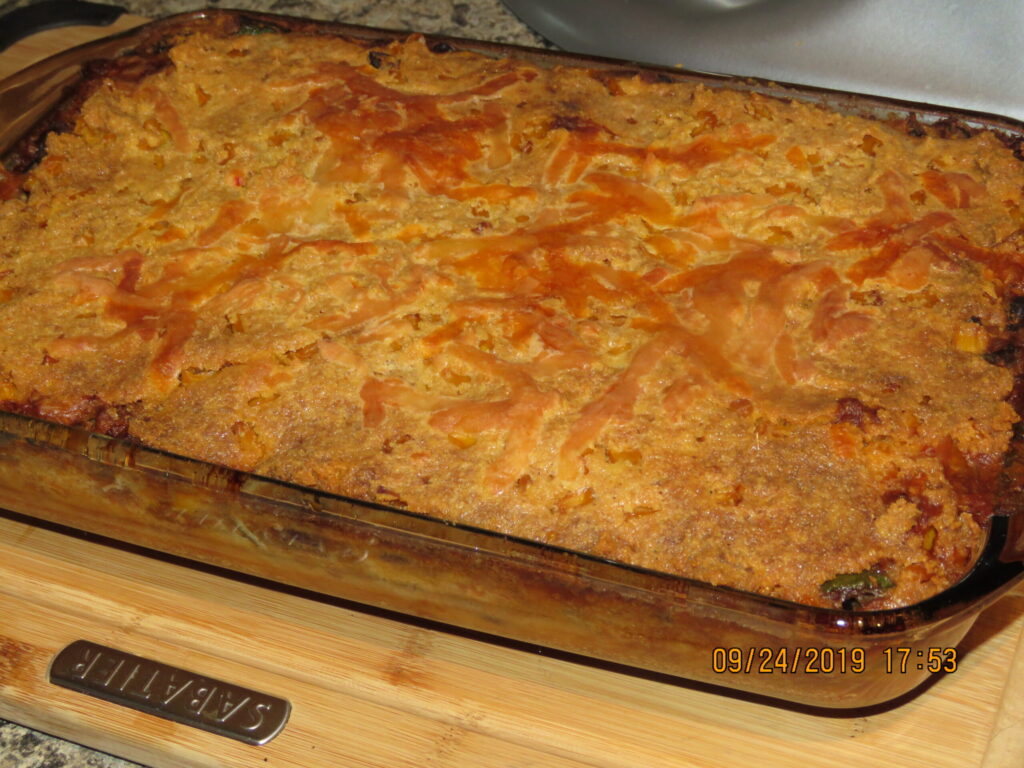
(132, 67)
(1010, 484)
(27, 408)
(1015, 314)
(914, 127)
(1013, 142)
(91, 413)
(113, 421)
(956, 128)
(946, 128)
(951, 128)
(1005, 351)
(1002, 352)
(440, 46)
(127, 69)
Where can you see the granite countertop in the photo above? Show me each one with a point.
(22, 747)
(479, 19)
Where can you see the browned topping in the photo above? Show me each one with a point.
(637, 318)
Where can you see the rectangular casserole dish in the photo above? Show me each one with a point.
(467, 577)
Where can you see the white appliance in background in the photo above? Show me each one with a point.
(960, 53)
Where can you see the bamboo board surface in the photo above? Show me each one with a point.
(44, 44)
(369, 690)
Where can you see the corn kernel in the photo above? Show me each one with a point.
(462, 440)
(971, 338)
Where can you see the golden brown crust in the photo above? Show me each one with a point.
(699, 331)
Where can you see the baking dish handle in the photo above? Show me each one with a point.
(50, 14)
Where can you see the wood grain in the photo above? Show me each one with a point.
(44, 44)
(369, 690)
(376, 691)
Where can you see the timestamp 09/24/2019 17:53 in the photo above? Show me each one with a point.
(826, 660)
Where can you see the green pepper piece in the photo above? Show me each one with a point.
(851, 590)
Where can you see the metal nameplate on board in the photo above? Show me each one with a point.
(170, 692)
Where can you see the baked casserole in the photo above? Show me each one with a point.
(702, 331)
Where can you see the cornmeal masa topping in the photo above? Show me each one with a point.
(701, 331)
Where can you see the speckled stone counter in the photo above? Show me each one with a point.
(480, 19)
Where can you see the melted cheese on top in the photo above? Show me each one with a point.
(699, 331)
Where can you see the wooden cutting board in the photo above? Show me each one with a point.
(44, 44)
(376, 691)
(370, 690)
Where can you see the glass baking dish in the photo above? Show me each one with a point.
(462, 576)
